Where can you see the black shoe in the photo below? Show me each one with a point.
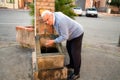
(73, 77)
(69, 66)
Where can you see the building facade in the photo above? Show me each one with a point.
(15, 4)
(23, 4)
(99, 4)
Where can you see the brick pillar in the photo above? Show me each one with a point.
(42, 28)
(49, 66)
(43, 5)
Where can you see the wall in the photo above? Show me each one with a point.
(81, 3)
(102, 3)
(43, 5)
(18, 4)
(4, 3)
(87, 4)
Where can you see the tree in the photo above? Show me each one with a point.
(65, 6)
(115, 3)
(31, 6)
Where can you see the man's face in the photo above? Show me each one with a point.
(48, 19)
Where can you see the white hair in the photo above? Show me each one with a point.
(45, 12)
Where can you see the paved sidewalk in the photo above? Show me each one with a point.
(98, 63)
(15, 63)
(107, 14)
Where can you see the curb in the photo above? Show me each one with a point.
(14, 9)
(107, 14)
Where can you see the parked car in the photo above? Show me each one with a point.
(91, 12)
(78, 11)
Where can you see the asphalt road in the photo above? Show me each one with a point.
(9, 19)
(15, 62)
(102, 29)
(100, 53)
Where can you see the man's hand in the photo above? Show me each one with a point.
(49, 43)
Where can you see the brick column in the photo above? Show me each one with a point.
(49, 66)
(42, 28)
(43, 5)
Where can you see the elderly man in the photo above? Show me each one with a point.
(71, 31)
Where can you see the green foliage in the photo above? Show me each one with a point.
(31, 6)
(115, 3)
(65, 6)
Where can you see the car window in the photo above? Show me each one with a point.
(91, 9)
(77, 8)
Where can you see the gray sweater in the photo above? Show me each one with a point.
(66, 27)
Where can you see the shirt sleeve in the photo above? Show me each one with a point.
(63, 32)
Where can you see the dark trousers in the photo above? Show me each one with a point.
(74, 47)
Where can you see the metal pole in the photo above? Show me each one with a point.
(37, 37)
(37, 44)
(119, 41)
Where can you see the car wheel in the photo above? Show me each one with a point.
(96, 16)
(86, 15)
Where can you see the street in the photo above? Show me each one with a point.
(102, 29)
(100, 53)
(9, 19)
(15, 61)
(100, 32)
